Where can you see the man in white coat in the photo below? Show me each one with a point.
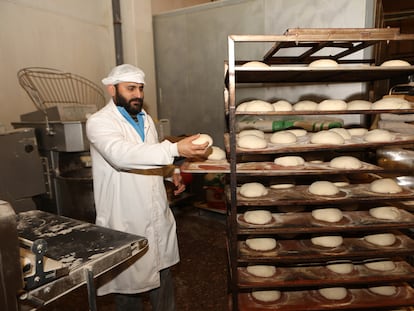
(122, 138)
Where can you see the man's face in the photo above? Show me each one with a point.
(130, 96)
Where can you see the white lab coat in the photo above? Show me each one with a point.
(131, 202)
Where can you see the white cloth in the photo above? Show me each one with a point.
(130, 202)
(124, 73)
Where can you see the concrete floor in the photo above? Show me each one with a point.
(200, 277)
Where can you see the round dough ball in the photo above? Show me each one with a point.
(327, 240)
(259, 105)
(283, 137)
(391, 103)
(385, 185)
(327, 137)
(327, 214)
(242, 106)
(386, 290)
(257, 133)
(216, 154)
(289, 161)
(378, 135)
(298, 132)
(381, 239)
(202, 139)
(385, 212)
(264, 271)
(282, 105)
(340, 267)
(259, 217)
(341, 131)
(266, 295)
(395, 63)
(332, 104)
(251, 142)
(305, 105)
(323, 187)
(261, 244)
(282, 186)
(253, 190)
(324, 63)
(333, 293)
(359, 104)
(358, 131)
(382, 265)
(255, 64)
(345, 162)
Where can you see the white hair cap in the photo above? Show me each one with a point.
(124, 73)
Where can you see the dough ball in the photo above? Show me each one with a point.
(384, 290)
(359, 104)
(305, 105)
(289, 161)
(327, 137)
(266, 295)
(333, 293)
(345, 162)
(253, 190)
(340, 267)
(341, 131)
(324, 63)
(261, 244)
(395, 63)
(242, 106)
(327, 214)
(341, 183)
(264, 271)
(327, 240)
(382, 265)
(282, 105)
(378, 135)
(216, 154)
(282, 186)
(257, 133)
(251, 142)
(385, 212)
(323, 187)
(283, 137)
(385, 185)
(255, 64)
(391, 103)
(381, 239)
(202, 139)
(259, 106)
(259, 217)
(298, 132)
(332, 104)
(358, 131)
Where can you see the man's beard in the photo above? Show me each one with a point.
(132, 106)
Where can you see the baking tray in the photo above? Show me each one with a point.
(302, 250)
(358, 299)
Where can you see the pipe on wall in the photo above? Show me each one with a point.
(116, 15)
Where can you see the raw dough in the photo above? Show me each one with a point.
(259, 217)
(384, 290)
(378, 135)
(358, 131)
(385, 185)
(261, 244)
(320, 63)
(266, 295)
(203, 138)
(385, 212)
(341, 131)
(395, 63)
(253, 190)
(305, 105)
(327, 240)
(327, 214)
(257, 133)
(259, 105)
(264, 271)
(242, 106)
(391, 103)
(282, 105)
(345, 162)
(282, 186)
(383, 265)
(298, 132)
(251, 142)
(216, 154)
(359, 104)
(323, 187)
(340, 267)
(327, 137)
(332, 104)
(255, 64)
(381, 239)
(333, 293)
(289, 161)
(283, 137)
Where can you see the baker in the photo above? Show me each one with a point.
(128, 163)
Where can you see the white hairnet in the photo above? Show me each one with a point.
(124, 73)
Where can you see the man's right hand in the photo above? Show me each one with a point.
(187, 149)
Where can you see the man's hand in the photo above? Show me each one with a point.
(178, 183)
(189, 150)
